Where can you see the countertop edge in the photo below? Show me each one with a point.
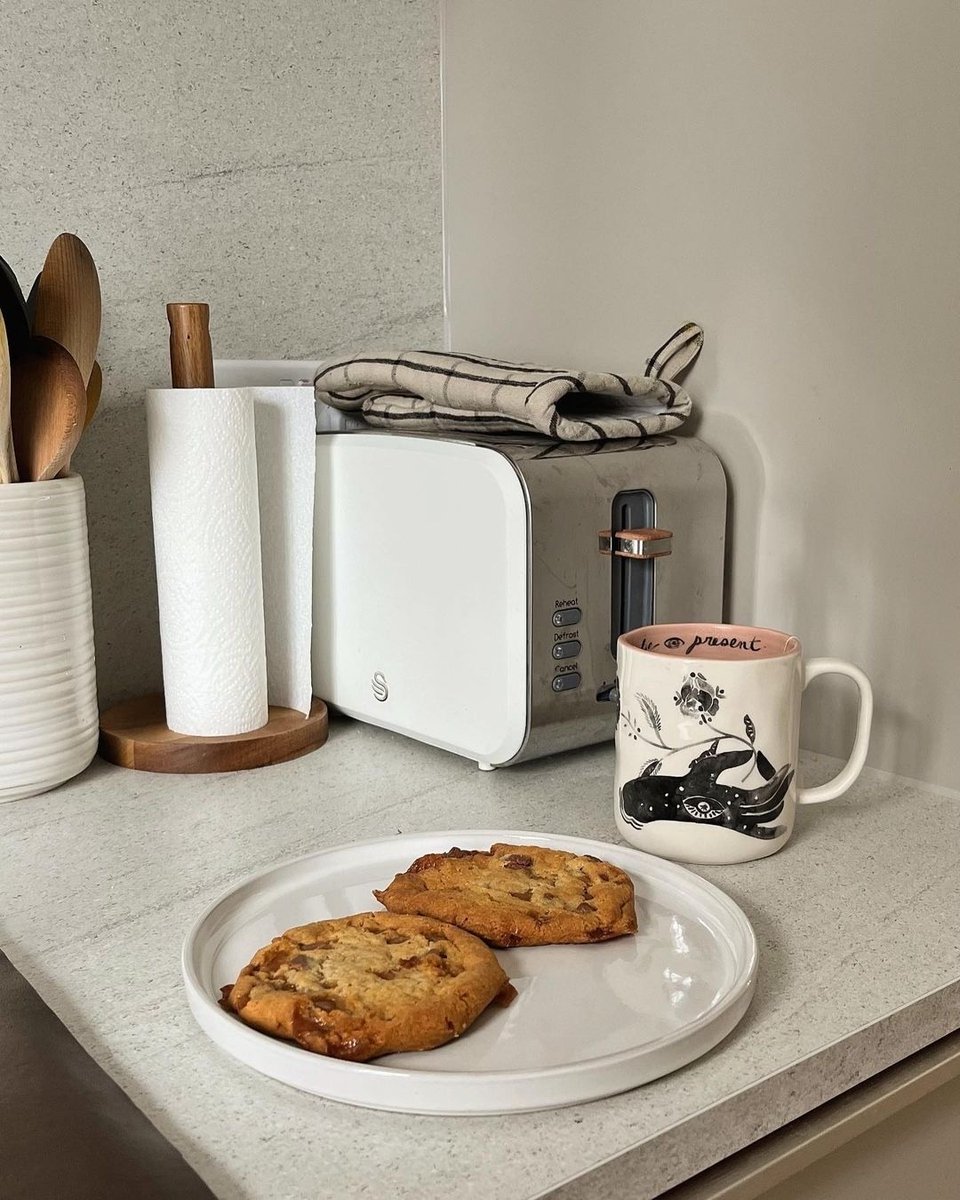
(683, 1150)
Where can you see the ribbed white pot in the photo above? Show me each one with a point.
(48, 689)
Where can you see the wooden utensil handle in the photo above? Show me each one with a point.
(191, 355)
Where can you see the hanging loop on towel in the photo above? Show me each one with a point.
(676, 353)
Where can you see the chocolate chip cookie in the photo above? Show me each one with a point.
(518, 895)
(371, 984)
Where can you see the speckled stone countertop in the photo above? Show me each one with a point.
(858, 922)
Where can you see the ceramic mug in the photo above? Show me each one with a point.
(708, 737)
(48, 687)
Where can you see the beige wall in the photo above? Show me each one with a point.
(280, 161)
(787, 175)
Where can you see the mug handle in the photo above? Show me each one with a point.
(858, 755)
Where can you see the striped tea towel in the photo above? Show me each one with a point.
(420, 389)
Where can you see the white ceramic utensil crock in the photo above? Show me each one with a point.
(48, 694)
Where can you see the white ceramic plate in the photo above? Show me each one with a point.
(589, 1021)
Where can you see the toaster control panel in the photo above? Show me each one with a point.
(567, 646)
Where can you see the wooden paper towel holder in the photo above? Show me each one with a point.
(135, 734)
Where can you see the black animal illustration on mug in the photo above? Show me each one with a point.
(699, 796)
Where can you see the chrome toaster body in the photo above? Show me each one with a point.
(401, 606)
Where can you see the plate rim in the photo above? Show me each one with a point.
(197, 994)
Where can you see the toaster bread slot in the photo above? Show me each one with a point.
(633, 542)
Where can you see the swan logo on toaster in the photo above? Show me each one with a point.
(379, 686)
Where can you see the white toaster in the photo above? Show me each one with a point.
(469, 591)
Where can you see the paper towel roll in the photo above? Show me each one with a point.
(287, 467)
(206, 532)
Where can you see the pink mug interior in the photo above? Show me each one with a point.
(726, 643)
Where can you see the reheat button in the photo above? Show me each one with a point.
(566, 616)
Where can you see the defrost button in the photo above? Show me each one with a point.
(566, 649)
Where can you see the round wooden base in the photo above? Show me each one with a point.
(135, 734)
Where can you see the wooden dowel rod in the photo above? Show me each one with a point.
(191, 355)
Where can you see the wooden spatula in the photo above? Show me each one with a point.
(31, 301)
(66, 307)
(94, 388)
(13, 310)
(48, 406)
(8, 460)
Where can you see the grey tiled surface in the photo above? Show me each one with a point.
(281, 162)
(857, 921)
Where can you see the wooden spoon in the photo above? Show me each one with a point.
(49, 406)
(8, 461)
(93, 399)
(67, 303)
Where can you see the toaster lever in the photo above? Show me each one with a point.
(636, 543)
